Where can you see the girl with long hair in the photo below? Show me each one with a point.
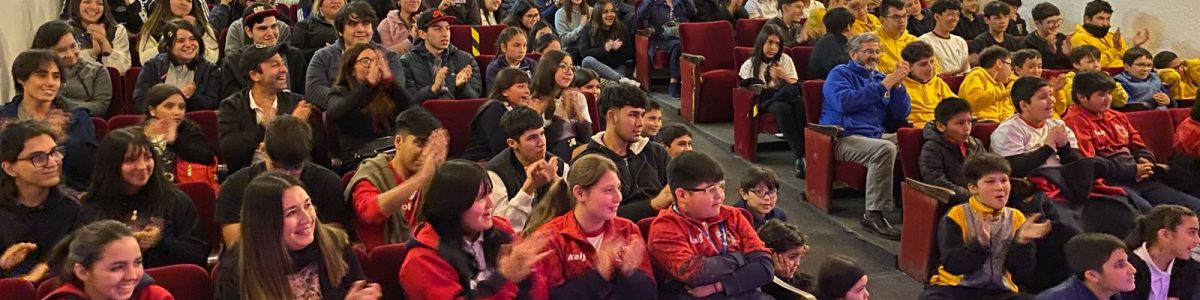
(604, 46)
(180, 62)
(128, 186)
(511, 46)
(772, 70)
(1164, 236)
(86, 84)
(100, 37)
(552, 89)
(511, 89)
(457, 252)
(34, 213)
(788, 248)
(102, 260)
(285, 252)
(570, 19)
(523, 15)
(173, 136)
(364, 101)
(394, 30)
(163, 11)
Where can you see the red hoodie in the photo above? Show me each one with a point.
(1105, 133)
(691, 256)
(426, 275)
(569, 271)
(146, 290)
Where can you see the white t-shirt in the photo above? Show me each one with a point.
(1015, 137)
(785, 61)
(812, 6)
(1160, 280)
(595, 241)
(951, 53)
(762, 9)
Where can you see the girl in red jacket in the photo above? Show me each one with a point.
(457, 252)
(102, 260)
(597, 254)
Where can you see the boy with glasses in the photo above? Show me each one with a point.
(760, 195)
(1047, 39)
(987, 86)
(1140, 81)
(893, 35)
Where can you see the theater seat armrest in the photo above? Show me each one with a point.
(828, 130)
(942, 194)
(645, 32)
(694, 59)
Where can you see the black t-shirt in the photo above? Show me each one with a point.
(1011, 42)
(1052, 56)
(970, 28)
(322, 185)
(44, 225)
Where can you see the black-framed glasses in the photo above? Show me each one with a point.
(713, 190)
(40, 159)
(767, 192)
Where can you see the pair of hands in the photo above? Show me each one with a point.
(1139, 38)
(785, 268)
(302, 111)
(1057, 137)
(16, 254)
(149, 237)
(434, 152)
(896, 76)
(361, 290)
(521, 257)
(167, 129)
(460, 79)
(620, 255)
(613, 45)
(1034, 228)
(378, 70)
(540, 173)
(100, 44)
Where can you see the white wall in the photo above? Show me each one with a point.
(1172, 23)
(19, 20)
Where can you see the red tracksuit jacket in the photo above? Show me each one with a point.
(1105, 133)
(426, 275)
(569, 271)
(695, 253)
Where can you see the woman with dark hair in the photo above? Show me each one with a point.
(38, 78)
(552, 90)
(773, 71)
(165, 11)
(102, 260)
(603, 47)
(663, 18)
(523, 15)
(393, 30)
(34, 213)
(101, 38)
(457, 252)
(511, 89)
(316, 31)
(285, 252)
(841, 279)
(179, 63)
(484, 12)
(174, 137)
(587, 82)
(128, 187)
(364, 101)
(85, 83)
(569, 20)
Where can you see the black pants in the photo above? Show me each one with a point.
(788, 108)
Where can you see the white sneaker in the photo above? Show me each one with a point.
(629, 82)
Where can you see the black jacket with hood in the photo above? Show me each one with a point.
(643, 174)
(418, 68)
(942, 162)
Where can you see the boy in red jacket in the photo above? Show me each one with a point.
(704, 248)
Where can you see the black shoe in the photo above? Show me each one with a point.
(674, 89)
(801, 166)
(880, 225)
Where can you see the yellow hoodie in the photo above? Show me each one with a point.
(816, 23)
(1110, 50)
(1063, 97)
(925, 97)
(989, 99)
(889, 52)
(861, 26)
(1182, 85)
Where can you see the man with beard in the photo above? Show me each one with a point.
(642, 165)
(1097, 19)
(259, 24)
(861, 100)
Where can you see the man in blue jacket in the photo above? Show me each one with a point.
(860, 100)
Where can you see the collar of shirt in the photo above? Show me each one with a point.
(258, 110)
(1160, 279)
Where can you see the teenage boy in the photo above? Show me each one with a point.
(676, 138)
(653, 119)
(1179, 75)
(1046, 39)
(1107, 134)
(996, 14)
(893, 35)
(354, 24)
(524, 171)
(438, 70)
(1016, 25)
(970, 23)
(948, 142)
(236, 39)
(864, 20)
(259, 24)
(703, 247)
(1140, 81)
(791, 15)
(759, 193)
(919, 20)
(385, 190)
(950, 49)
(1097, 18)
(925, 88)
(987, 86)
(644, 173)
(287, 144)
(1027, 63)
(830, 50)
(1100, 266)
(1083, 58)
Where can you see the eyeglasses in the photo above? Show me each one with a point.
(1143, 65)
(869, 51)
(767, 192)
(365, 61)
(713, 190)
(40, 159)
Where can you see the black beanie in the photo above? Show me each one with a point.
(836, 277)
(1162, 60)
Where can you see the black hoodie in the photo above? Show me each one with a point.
(942, 162)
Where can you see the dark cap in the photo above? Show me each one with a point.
(256, 12)
(255, 54)
(433, 16)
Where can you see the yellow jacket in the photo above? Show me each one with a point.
(1110, 50)
(1063, 97)
(924, 98)
(869, 25)
(890, 48)
(816, 23)
(1182, 85)
(989, 99)
(958, 216)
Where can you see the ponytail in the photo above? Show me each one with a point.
(557, 201)
(1161, 217)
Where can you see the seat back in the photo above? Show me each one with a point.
(16, 288)
(741, 55)
(122, 121)
(185, 281)
(207, 119)
(101, 127)
(134, 57)
(124, 105)
(983, 132)
(462, 38)
(813, 100)
(953, 81)
(1158, 135)
(910, 141)
(644, 226)
(384, 268)
(800, 56)
(712, 40)
(1051, 73)
(205, 199)
(346, 178)
(1178, 115)
(118, 94)
(747, 31)
(456, 116)
(332, 137)
(48, 286)
(593, 107)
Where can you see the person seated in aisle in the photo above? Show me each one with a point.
(569, 122)
(457, 252)
(523, 172)
(509, 91)
(1053, 45)
(386, 189)
(1100, 269)
(645, 167)
(984, 244)
(790, 19)
(841, 278)
(259, 29)
(284, 250)
(236, 40)
(39, 77)
(759, 194)
(89, 258)
(180, 63)
(925, 88)
(971, 21)
(863, 101)
(243, 117)
(919, 20)
(178, 142)
(830, 50)
(772, 73)
(1161, 246)
(1016, 25)
(1097, 19)
(577, 218)
(1083, 58)
(547, 43)
(893, 35)
(789, 247)
(950, 49)
(354, 26)
(85, 83)
(1028, 63)
(676, 139)
(317, 30)
(602, 44)
(437, 69)
(996, 14)
(706, 248)
(664, 16)
(287, 144)
(129, 187)
(864, 21)
(34, 210)
(101, 38)
(652, 120)
(987, 87)
(570, 19)
(157, 26)
(510, 53)
(364, 101)
(1107, 134)
(1178, 74)
(947, 144)
(1141, 83)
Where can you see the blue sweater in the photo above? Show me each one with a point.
(1142, 90)
(856, 100)
(1071, 289)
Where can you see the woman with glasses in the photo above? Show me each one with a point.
(554, 97)
(128, 187)
(760, 195)
(34, 213)
(364, 101)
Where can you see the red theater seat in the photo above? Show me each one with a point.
(124, 105)
(953, 81)
(644, 226)
(642, 62)
(16, 288)
(101, 127)
(707, 71)
(207, 119)
(820, 142)
(747, 125)
(456, 116)
(48, 286)
(383, 267)
(747, 31)
(185, 282)
(1178, 115)
(1158, 134)
(205, 199)
(460, 37)
(118, 92)
(800, 56)
(122, 121)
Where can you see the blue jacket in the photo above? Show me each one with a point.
(856, 100)
(154, 71)
(1142, 90)
(1071, 289)
(80, 143)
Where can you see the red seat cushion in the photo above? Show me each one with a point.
(813, 99)
(1158, 135)
(661, 59)
(953, 81)
(456, 116)
(852, 174)
(983, 132)
(205, 199)
(383, 267)
(185, 282)
(713, 40)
